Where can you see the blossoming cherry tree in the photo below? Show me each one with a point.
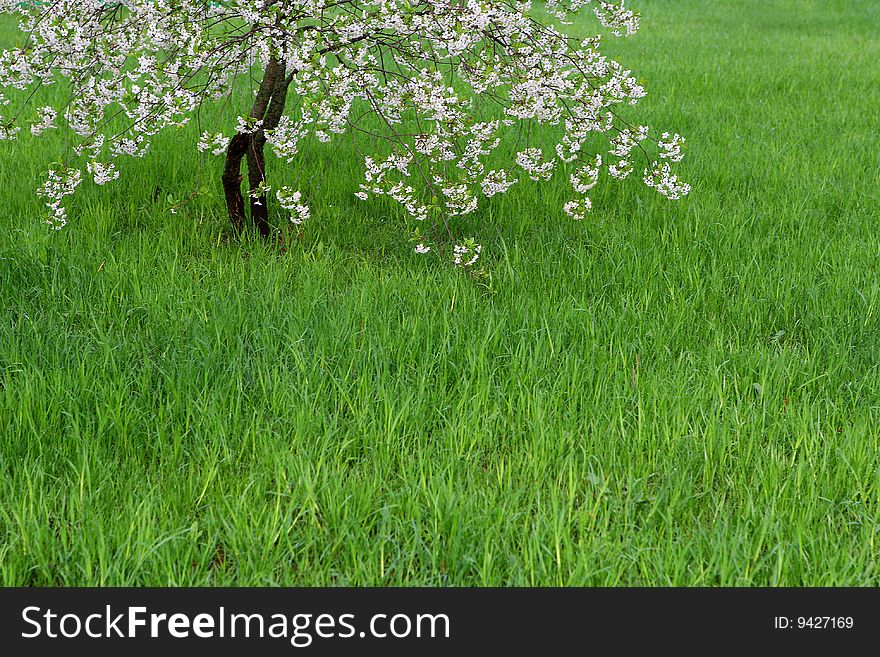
(426, 91)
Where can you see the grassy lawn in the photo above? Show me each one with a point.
(665, 394)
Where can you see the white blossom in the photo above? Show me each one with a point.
(466, 255)
(47, 116)
(533, 163)
(61, 182)
(216, 143)
(292, 201)
(578, 208)
(102, 173)
(661, 178)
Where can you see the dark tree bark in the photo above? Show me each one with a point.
(232, 181)
(256, 162)
(268, 107)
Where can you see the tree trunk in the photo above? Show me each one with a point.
(268, 108)
(232, 181)
(256, 162)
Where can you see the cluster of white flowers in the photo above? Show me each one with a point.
(616, 16)
(291, 201)
(285, 138)
(470, 251)
(670, 147)
(497, 182)
(216, 143)
(532, 162)
(45, 121)
(61, 182)
(386, 178)
(661, 178)
(578, 208)
(102, 173)
(8, 131)
(586, 177)
(429, 89)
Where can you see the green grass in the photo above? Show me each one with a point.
(666, 394)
